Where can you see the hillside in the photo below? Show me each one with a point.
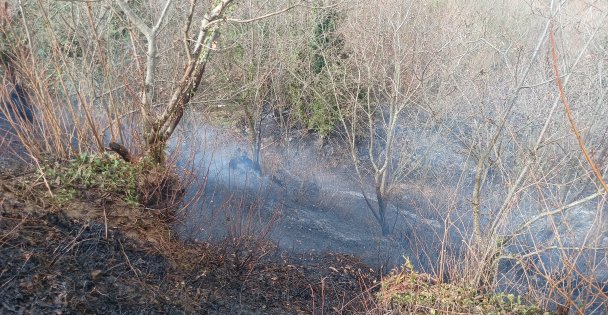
(97, 254)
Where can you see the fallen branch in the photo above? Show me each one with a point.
(120, 150)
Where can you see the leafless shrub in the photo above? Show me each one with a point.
(248, 226)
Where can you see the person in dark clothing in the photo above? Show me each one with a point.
(19, 104)
(243, 164)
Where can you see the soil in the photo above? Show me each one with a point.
(97, 254)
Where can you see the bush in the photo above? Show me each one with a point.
(141, 183)
(106, 173)
(407, 292)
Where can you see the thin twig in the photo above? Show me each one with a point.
(135, 271)
(46, 183)
(105, 220)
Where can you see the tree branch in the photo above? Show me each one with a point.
(193, 74)
(480, 168)
(556, 211)
(187, 30)
(210, 19)
(147, 97)
(265, 16)
(515, 187)
(162, 17)
(134, 18)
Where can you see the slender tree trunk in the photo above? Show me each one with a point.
(382, 205)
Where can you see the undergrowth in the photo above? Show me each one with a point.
(408, 292)
(106, 173)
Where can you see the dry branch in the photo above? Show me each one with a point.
(579, 139)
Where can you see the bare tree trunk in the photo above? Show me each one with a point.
(255, 132)
(382, 205)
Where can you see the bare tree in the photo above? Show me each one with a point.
(159, 127)
(385, 76)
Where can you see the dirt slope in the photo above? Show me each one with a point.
(98, 255)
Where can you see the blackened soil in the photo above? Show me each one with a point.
(53, 262)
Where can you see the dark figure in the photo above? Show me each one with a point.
(19, 104)
(19, 101)
(244, 164)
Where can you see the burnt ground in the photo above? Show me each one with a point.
(97, 254)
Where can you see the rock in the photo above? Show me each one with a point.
(95, 274)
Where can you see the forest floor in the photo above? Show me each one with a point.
(98, 254)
